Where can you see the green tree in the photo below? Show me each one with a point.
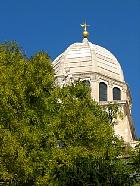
(25, 87)
(135, 163)
(51, 135)
(85, 150)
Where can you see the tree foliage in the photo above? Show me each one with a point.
(51, 135)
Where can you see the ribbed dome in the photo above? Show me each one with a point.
(86, 57)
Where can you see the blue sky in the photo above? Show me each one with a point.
(52, 25)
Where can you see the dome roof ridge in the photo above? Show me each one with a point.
(88, 57)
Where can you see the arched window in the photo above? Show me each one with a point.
(86, 82)
(116, 93)
(102, 92)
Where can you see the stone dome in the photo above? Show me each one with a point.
(86, 57)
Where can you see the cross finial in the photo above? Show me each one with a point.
(84, 25)
(85, 32)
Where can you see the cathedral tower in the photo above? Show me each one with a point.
(100, 69)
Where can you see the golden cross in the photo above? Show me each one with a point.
(84, 26)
